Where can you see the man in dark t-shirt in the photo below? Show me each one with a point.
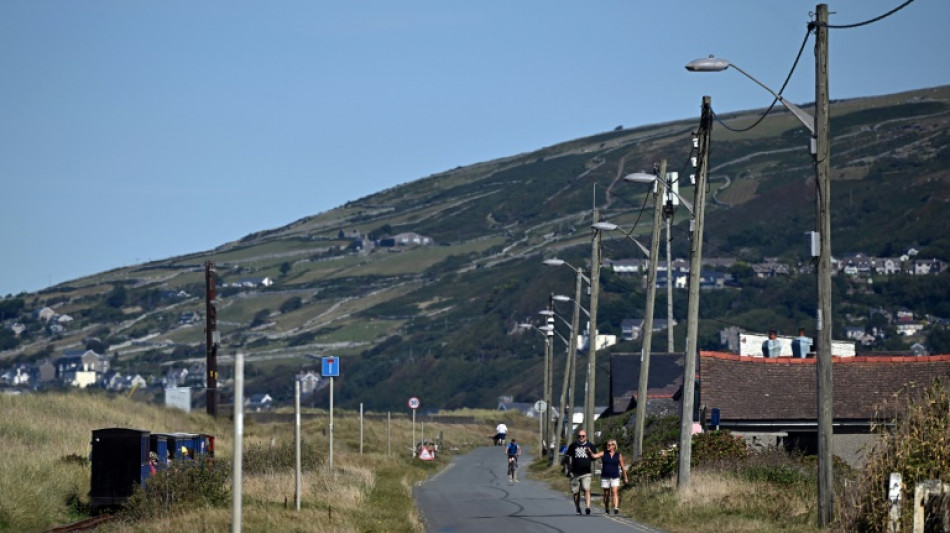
(581, 455)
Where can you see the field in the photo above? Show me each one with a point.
(45, 473)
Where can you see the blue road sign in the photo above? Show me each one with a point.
(331, 367)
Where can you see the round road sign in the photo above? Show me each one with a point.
(413, 403)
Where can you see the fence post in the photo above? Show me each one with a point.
(894, 489)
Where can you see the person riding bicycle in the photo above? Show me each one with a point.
(513, 451)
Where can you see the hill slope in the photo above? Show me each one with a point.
(439, 320)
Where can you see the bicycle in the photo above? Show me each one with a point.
(513, 468)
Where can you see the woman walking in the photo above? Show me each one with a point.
(612, 468)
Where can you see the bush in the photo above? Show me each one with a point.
(183, 485)
(655, 465)
(916, 444)
(716, 446)
(281, 456)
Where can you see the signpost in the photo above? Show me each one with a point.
(413, 404)
(331, 369)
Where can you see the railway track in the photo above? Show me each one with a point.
(82, 525)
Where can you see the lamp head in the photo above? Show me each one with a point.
(553, 262)
(604, 226)
(561, 298)
(546, 312)
(708, 64)
(640, 177)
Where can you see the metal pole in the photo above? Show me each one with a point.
(590, 397)
(297, 478)
(647, 344)
(669, 284)
(824, 330)
(692, 319)
(361, 428)
(413, 432)
(389, 433)
(331, 424)
(548, 377)
(236, 467)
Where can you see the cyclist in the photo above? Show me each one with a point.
(513, 451)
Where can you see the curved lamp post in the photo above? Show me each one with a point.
(570, 380)
(673, 198)
(819, 127)
(646, 345)
(543, 419)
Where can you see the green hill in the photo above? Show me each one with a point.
(439, 320)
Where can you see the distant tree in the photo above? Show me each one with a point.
(11, 307)
(291, 304)
(8, 340)
(117, 297)
(285, 268)
(938, 341)
(95, 344)
(741, 271)
(260, 317)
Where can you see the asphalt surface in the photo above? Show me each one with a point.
(473, 495)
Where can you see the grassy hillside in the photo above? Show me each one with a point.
(440, 320)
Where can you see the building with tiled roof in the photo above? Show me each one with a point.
(775, 400)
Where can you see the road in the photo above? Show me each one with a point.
(472, 495)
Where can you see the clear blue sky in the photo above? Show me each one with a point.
(133, 130)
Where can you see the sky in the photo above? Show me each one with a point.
(133, 131)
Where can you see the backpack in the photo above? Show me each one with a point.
(512, 449)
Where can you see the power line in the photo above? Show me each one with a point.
(772, 106)
(866, 22)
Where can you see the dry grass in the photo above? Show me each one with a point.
(44, 475)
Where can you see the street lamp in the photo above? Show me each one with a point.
(673, 198)
(543, 420)
(548, 371)
(819, 127)
(590, 396)
(646, 345)
(569, 384)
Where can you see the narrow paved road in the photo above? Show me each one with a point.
(472, 495)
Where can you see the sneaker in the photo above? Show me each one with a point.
(616, 511)
(578, 510)
(587, 511)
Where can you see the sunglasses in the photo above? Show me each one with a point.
(582, 435)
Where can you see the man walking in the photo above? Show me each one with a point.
(581, 454)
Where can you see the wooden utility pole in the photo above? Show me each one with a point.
(589, 396)
(211, 341)
(647, 344)
(692, 319)
(824, 329)
(568, 384)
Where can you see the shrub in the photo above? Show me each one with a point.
(715, 446)
(916, 444)
(183, 485)
(654, 465)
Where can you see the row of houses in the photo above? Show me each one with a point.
(856, 265)
(75, 368)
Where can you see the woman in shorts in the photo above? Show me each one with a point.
(612, 468)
